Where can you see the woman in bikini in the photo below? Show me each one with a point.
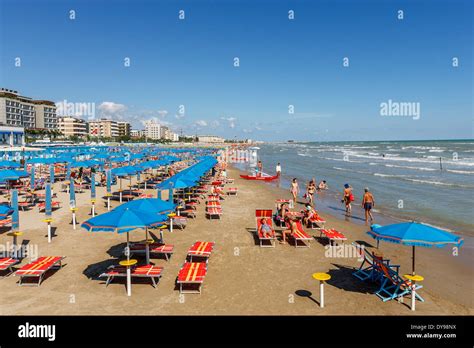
(310, 189)
(348, 198)
(294, 189)
(292, 229)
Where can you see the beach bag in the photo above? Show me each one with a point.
(351, 198)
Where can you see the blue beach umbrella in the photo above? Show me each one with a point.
(5, 210)
(151, 205)
(10, 174)
(9, 164)
(415, 234)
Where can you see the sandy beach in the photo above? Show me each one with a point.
(243, 279)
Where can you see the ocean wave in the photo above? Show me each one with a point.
(304, 155)
(437, 183)
(460, 171)
(408, 167)
(389, 175)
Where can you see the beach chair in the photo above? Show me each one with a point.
(54, 205)
(38, 269)
(188, 213)
(316, 222)
(180, 222)
(213, 205)
(212, 213)
(300, 236)
(142, 272)
(200, 250)
(393, 285)
(264, 238)
(6, 221)
(368, 270)
(232, 191)
(191, 274)
(333, 235)
(6, 265)
(155, 248)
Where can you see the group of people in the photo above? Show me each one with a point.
(368, 201)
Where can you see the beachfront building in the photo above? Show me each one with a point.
(137, 133)
(11, 136)
(153, 130)
(210, 139)
(124, 128)
(175, 137)
(72, 126)
(104, 128)
(45, 114)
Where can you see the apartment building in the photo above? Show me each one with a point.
(104, 128)
(72, 126)
(124, 128)
(210, 139)
(153, 130)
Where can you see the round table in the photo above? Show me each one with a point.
(322, 277)
(413, 278)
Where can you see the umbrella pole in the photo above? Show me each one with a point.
(129, 273)
(413, 260)
(147, 247)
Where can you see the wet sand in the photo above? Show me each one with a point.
(242, 277)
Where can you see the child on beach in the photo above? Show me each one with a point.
(322, 185)
(368, 202)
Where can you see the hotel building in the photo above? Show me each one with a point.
(72, 126)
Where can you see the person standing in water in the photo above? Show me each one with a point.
(278, 169)
(294, 190)
(310, 189)
(260, 167)
(348, 198)
(368, 202)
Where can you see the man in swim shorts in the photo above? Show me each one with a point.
(368, 203)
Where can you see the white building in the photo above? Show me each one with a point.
(72, 126)
(153, 130)
(21, 111)
(210, 139)
(104, 128)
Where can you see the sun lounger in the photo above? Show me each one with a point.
(263, 237)
(214, 213)
(300, 236)
(25, 205)
(6, 221)
(393, 286)
(213, 205)
(54, 205)
(316, 222)
(144, 272)
(180, 222)
(192, 273)
(188, 213)
(6, 264)
(232, 191)
(201, 250)
(38, 269)
(333, 235)
(155, 249)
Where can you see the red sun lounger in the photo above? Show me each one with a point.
(263, 236)
(201, 249)
(214, 212)
(54, 205)
(232, 191)
(191, 273)
(6, 264)
(333, 235)
(145, 272)
(213, 205)
(6, 221)
(155, 248)
(38, 268)
(316, 223)
(300, 236)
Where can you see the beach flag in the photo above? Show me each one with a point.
(15, 215)
(32, 178)
(48, 209)
(51, 173)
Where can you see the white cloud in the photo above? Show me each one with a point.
(201, 123)
(230, 121)
(111, 108)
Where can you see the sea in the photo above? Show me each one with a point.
(425, 181)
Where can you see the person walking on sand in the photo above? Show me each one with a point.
(294, 189)
(259, 168)
(278, 169)
(368, 202)
(348, 198)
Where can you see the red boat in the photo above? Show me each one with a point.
(262, 177)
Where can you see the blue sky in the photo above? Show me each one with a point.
(282, 62)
